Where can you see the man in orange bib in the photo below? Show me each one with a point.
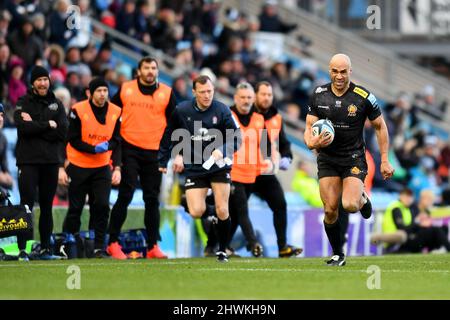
(93, 141)
(267, 186)
(146, 105)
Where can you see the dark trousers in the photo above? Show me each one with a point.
(140, 164)
(268, 188)
(84, 181)
(44, 178)
(238, 207)
(426, 237)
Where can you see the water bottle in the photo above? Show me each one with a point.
(69, 247)
(89, 244)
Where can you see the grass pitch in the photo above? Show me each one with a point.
(401, 277)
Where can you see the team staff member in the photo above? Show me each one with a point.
(93, 141)
(267, 186)
(245, 170)
(146, 105)
(342, 165)
(207, 125)
(41, 131)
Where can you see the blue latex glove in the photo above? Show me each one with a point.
(285, 162)
(102, 147)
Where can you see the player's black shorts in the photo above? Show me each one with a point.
(330, 168)
(204, 181)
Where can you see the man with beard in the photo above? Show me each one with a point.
(146, 106)
(267, 186)
(41, 130)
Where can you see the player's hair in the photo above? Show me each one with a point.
(406, 191)
(201, 79)
(244, 85)
(262, 83)
(147, 59)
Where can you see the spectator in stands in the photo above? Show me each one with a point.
(60, 32)
(110, 77)
(83, 34)
(5, 56)
(63, 95)
(124, 73)
(231, 28)
(39, 26)
(293, 112)
(270, 21)
(401, 118)
(74, 63)
(104, 59)
(88, 53)
(25, 44)
(126, 18)
(444, 163)
(6, 180)
(142, 22)
(301, 91)
(281, 81)
(16, 86)
(5, 18)
(180, 90)
(55, 61)
(73, 84)
(41, 129)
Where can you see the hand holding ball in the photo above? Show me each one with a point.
(324, 125)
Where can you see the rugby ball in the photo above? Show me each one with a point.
(321, 125)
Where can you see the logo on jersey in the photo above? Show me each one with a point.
(214, 120)
(323, 107)
(361, 92)
(53, 106)
(355, 170)
(203, 135)
(338, 104)
(320, 90)
(352, 110)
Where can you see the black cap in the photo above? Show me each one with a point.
(97, 82)
(38, 72)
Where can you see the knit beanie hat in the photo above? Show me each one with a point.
(95, 83)
(38, 72)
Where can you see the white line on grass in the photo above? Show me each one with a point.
(325, 269)
(230, 268)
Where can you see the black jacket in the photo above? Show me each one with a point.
(37, 142)
(201, 131)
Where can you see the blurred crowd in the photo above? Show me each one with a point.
(46, 33)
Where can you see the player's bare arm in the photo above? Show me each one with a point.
(383, 142)
(315, 142)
